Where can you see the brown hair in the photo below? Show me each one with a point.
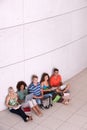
(43, 77)
(55, 69)
(34, 76)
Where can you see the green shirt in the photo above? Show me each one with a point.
(13, 102)
(22, 94)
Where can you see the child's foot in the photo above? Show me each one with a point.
(66, 102)
(51, 105)
(30, 118)
(40, 115)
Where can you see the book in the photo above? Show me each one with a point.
(26, 109)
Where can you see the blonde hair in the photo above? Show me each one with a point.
(9, 91)
(10, 88)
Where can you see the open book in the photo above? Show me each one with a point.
(62, 87)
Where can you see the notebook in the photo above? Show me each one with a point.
(29, 97)
(62, 87)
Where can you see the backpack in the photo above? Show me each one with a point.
(57, 97)
(47, 102)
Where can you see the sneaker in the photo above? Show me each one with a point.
(47, 107)
(51, 105)
(41, 106)
(27, 119)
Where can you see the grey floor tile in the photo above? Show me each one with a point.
(4, 113)
(25, 125)
(41, 128)
(77, 120)
(84, 127)
(81, 112)
(68, 126)
(4, 127)
(62, 115)
(10, 119)
(51, 123)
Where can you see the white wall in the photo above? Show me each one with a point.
(36, 36)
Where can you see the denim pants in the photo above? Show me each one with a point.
(48, 95)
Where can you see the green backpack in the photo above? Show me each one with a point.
(57, 98)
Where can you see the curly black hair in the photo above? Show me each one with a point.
(19, 85)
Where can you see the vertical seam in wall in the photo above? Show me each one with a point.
(23, 39)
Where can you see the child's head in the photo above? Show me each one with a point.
(21, 85)
(10, 90)
(55, 71)
(34, 79)
(45, 77)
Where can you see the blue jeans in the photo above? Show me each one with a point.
(39, 101)
(47, 95)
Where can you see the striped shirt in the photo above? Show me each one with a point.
(36, 90)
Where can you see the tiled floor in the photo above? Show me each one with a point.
(58, 117)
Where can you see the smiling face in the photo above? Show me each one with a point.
(35, 80)
(10, 90)
(46, 77)
(56, 73)
(22, 87)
